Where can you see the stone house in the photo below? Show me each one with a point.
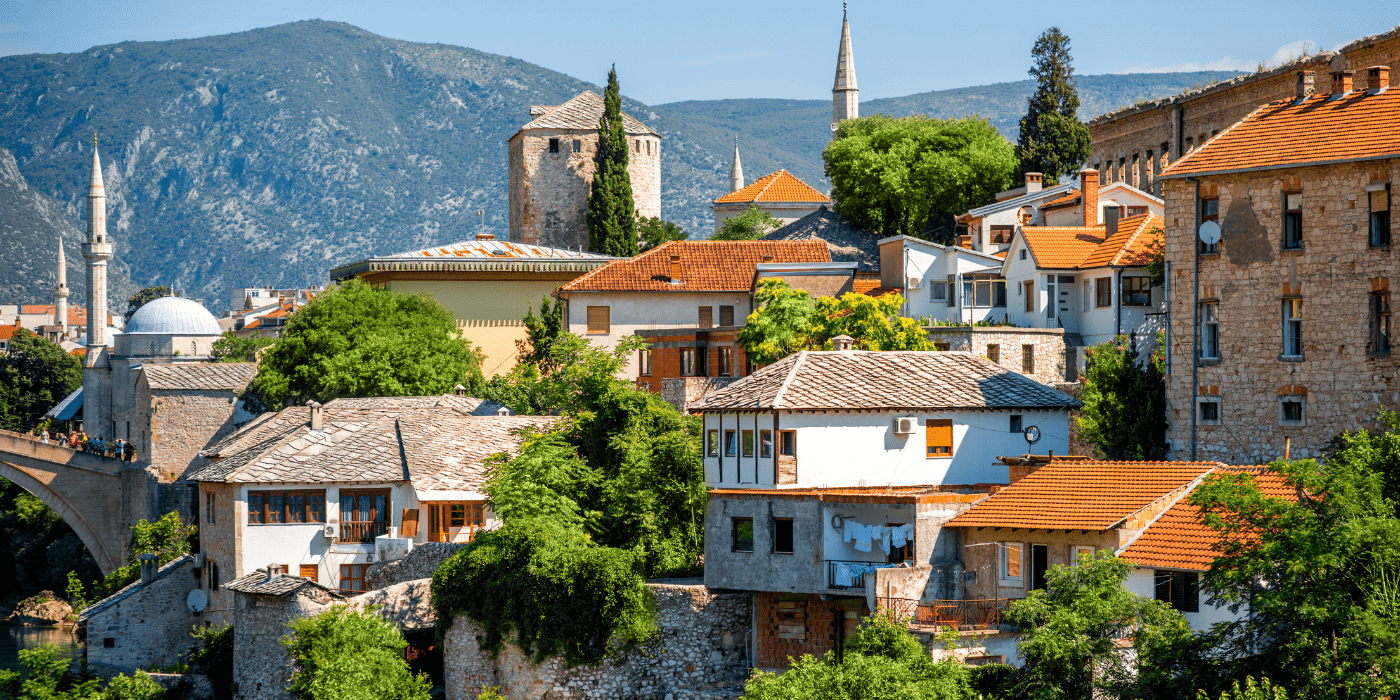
(551, 172)
(1037, 353)
(781, 194)
(263, 603)
(148, 622)
(183, 409)
(1283, 338)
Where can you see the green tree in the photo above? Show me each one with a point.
(540, 333)
(143, 297)
(788, 320)
(780, 324)
(748, 226)
(46, 677)
(231, 348)
(359, 340)
(35, 375)
(213, 658)
(168, 538)
(1125, 401)
(1070, 632)
(901, 176)
(654, 231)
(343, 654)
(1052, 140)
(1263, 690)
(612, 226)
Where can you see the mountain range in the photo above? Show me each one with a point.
(269, 156)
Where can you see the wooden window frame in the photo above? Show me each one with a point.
(448, 520)
(731, 443)
(1103, 292)
(348, 574)
(935, 446)
(644, 363)
(706, 317)
(1029, 288)
(765, 444)
(1292, 232)
(599, 320)
(1378, 219)
(994, 352)
(1292, 329)
(315, 570)
(726, 310)
(1133, 286)
(1027, 359)
(263, 514)
(747, 448)
(712, 442)
(1210, 331)
(787, 443)
(371, 526)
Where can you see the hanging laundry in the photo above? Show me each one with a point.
(849, 530)
(863, 534)
(897, 537)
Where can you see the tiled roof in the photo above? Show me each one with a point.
(36, 309)
(583, 112)
(1067, 200)
(781, 186)
(1179, 540)
(864, 285)
(1062, 247)
(1292, 133)
(77, 315)
(844, 242)
(258, 583)
(7, 332)
(706, 266)
(861, 379)
(448, 453)
(1128, 246)
(1046, 194)
(233, 376)
(131, 588)
(498, 249)
(1081, 495)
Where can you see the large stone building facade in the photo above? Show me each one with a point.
(551, 172)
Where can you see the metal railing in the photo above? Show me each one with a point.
(363, 531)
(974, 614)
(857, 580)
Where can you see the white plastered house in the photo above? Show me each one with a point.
(943, 282)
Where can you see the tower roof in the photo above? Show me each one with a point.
(845, 60)
(173, 316)
(736, 171)
(95, 186)
(583, 112)
(781, 186)
(62, 271)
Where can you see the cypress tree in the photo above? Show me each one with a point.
(612, 226)
(1053, 141)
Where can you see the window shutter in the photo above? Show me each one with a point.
(939, 437)
(1191, 587)
(598, 321)
(1163, 581)
(410, 522)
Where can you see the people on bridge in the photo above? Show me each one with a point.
(129, 452)
(44, 436)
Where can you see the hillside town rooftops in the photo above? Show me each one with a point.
(581, 113)
(870, 380)
(209, 376)
(1087, 247)
(781, 186)
(844, 242)
(698, 266)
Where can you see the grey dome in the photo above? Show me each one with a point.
(172, 316)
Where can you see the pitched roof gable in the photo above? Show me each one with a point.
(781, 186)
(1129, 245)
(582, 113)
(706, 266)
(1088, 247)
(204, 376)
(844, 241)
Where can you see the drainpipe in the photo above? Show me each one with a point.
(1195, 310)
(1118, 307)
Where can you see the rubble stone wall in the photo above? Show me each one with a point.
(183, 423)
(262, 668)
(149, 626)
(421, 563)
(1048, 347)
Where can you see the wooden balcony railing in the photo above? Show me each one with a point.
(975, 614)
(363, 531)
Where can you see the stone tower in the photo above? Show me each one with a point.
(551, 172)
(845, 97)
(736, 171)
(60, 293)
(97, 372)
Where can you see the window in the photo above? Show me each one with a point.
(742, 532)
(1050, 296)
(1292, 410)
(352, 577)
(726, 362)
(1023, 253)
(731, 443)
(994, 352)
(1210, 211)
(1001, 235)
(1292, 220)
(598, 321)
(938, 291)
(1380, 323)
(1078, 553)
(364, 514)
(1030, 296)
(1137, 211)
(747, 436)
(1180, 588)
(765, 443)
(983, 292)
(1208, 410)
(1137, 291)
(554, 145)
(726, 315)
(1293, 327)
(310, 571)
(787, 443)
(1016, 424)
(782, 535)
(209, 508)
(712, 443)
(1210, 332)
(707, 316)
(268, 507)
(637, 146)
(578, 146)
(692, 362)
(644, 363)
(1103, 292)
(939, 438)
(1380, 216)
(213, 576)
(1027, 359)
(942, 347)
(1009, 561)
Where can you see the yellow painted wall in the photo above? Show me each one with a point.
(489, 312)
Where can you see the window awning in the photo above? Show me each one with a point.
(67, 408)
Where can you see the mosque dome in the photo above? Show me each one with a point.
(172, 316)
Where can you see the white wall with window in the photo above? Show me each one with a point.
(944, 283)
(1181, 590)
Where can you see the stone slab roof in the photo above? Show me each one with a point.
(582, 113)
(131, 589)
(844, 242)
(448, 453)
(281, 585)
(203, 376)
(870, 380)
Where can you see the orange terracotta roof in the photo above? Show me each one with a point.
(7, 332)
(881, 291)
(1062, 247)
(864, 285)
(1179, 540)
(1129, 246)
(706, 266)
(77, 316)
(78, 352)
(1067, 200)
(1081, 495)
(1292, 133)
(1001, 253)
(781, 186)
(36, 309)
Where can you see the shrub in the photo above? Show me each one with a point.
(214, 657)
(348, 655)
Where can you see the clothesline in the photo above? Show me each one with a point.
(889, 536)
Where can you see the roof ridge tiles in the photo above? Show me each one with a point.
(787, 381)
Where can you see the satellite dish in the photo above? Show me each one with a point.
(1032, 434)
(1210, 233)
(197, 600)
(833, 126)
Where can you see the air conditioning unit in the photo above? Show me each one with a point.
(329, 532)
(907, 425)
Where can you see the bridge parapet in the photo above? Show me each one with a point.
(25, 445)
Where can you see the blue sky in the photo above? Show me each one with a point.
(670, 51)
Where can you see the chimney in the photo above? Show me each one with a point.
(1089, 190)
(273, 571)
(1034, 182)
(1306, 80)
(503, 411)
(1341, 81)
(842, 343)
(459, 390)
(315, 414)
(148, 568)
(1377, 78)
(675, 269)
(485, 236)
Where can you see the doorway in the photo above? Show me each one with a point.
(1069, 320)
(1040, 554)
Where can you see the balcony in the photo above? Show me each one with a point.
(363, 531)
(975, 614)
(843, 574)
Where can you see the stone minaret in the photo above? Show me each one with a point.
(97, 385)
(736, 171)
(845, 97)
(60, 293)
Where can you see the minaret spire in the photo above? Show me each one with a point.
(845, 96)
(60, 293)
(736, 171)
(97, 251)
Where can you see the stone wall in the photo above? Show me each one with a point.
(146, 625)
(421, 563)
(262, 668)
(1077, 444)
(183, 423)
(700, 652)
(218, 533)
(1048, 347)
(1334, 275)
(681, 392)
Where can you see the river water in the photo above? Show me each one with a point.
(15, 637)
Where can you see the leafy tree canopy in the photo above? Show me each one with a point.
(359, 340)
(35, 375)
(748, 226)
(1052, 140)
(143, 297)
(900, 176)
(1125, 401)
(45, 676)
(612, 226)
(343, 654)
(168, 538)
(231, 348)
(788, 320)
(654, 231)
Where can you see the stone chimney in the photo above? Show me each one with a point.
(459, 390)
(1306, 80)
(1034, 182)
(149, 566)
(675, 269)
(1089, 191)
(1341, 81)
(842, 343)
(503, 411)
(485, 236)
(315, 414)
(1377, 78)
(273, 571)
